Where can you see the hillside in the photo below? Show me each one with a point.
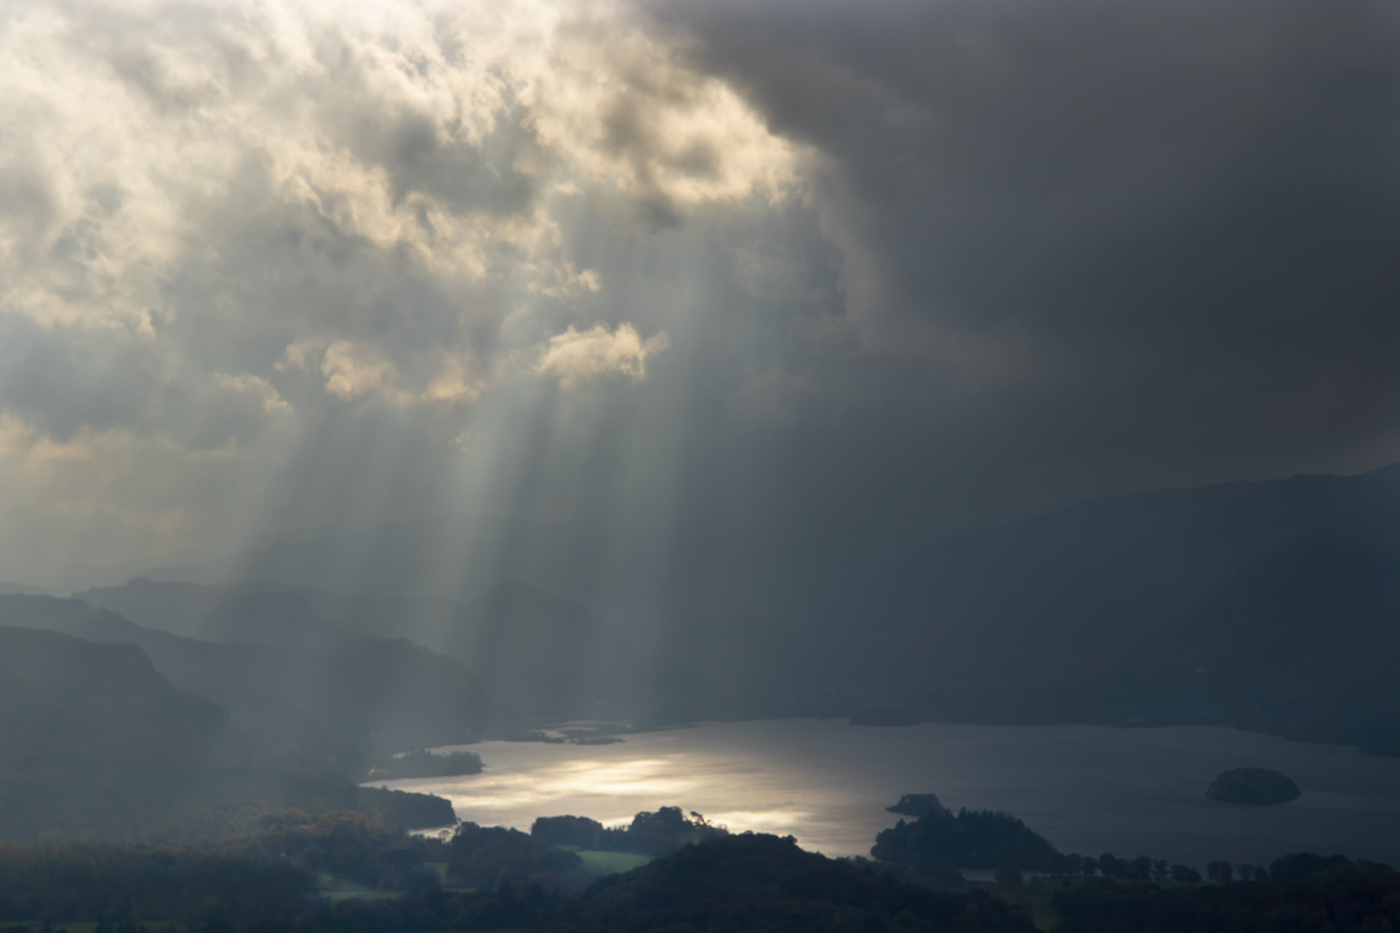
(536, 657)
(327, 699)
(95, 743)
(242, 613)
(1274, 606)
(93, 740)
(1083, 592)
(758, 882)
(1267, 604)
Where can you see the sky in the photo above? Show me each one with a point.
(678, 285)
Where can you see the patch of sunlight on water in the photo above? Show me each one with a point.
(1088, 789)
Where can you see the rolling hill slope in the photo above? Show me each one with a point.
(326, 699)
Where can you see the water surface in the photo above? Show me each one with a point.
(1089, 789)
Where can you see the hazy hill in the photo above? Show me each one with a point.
(540, 658)
(93, 740)
(240, 613)
(537, 657)
(95, 743)
(1272, 605)
(371, 692)
(1220, 603)
(1390, 473)
(9, 588)
(1322, 610)
(1108, 585)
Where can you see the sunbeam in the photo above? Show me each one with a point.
(768, 453)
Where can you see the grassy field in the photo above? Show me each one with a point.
(608, 863)
(350, 894)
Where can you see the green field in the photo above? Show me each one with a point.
(609, 863)
(350, 894)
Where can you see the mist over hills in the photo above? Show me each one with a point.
(393, 375)
(1097, 587)
(92, 738)
(248, 613)
(356, 694)
(9, 588)
(1234, 602)
(1265, 604)
(1272, 606)
(95, 743)
(540, 658)
(1268, 605)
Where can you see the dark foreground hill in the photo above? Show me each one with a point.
(1300, 893)
(754, 882)
(267, 882)
(324, 695)
(95, 743)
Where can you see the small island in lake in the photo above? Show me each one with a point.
(1253, 785)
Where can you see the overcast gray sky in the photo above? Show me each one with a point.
(760, 279)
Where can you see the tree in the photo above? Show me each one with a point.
(1184, 874)
(1110, 866)
(1009, 874)
(1221, 872)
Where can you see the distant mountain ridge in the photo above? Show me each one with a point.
(1029, 601)
(1274, 606)
(95, 743)
(10, 588)
(1390, 473)
(329, 698)
(247, 612)
(1234, 602)
(533, 657)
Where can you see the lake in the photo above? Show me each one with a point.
(1088, 789)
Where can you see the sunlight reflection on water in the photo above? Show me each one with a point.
(1088, 789)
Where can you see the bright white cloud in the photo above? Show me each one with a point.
(255, 387)
(576, 357)
(223, 220)
(455, 382)
(431, 128)
(352, 372)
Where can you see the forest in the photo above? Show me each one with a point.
(295, 872)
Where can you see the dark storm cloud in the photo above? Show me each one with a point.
(1169, 227)
(775, 283)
